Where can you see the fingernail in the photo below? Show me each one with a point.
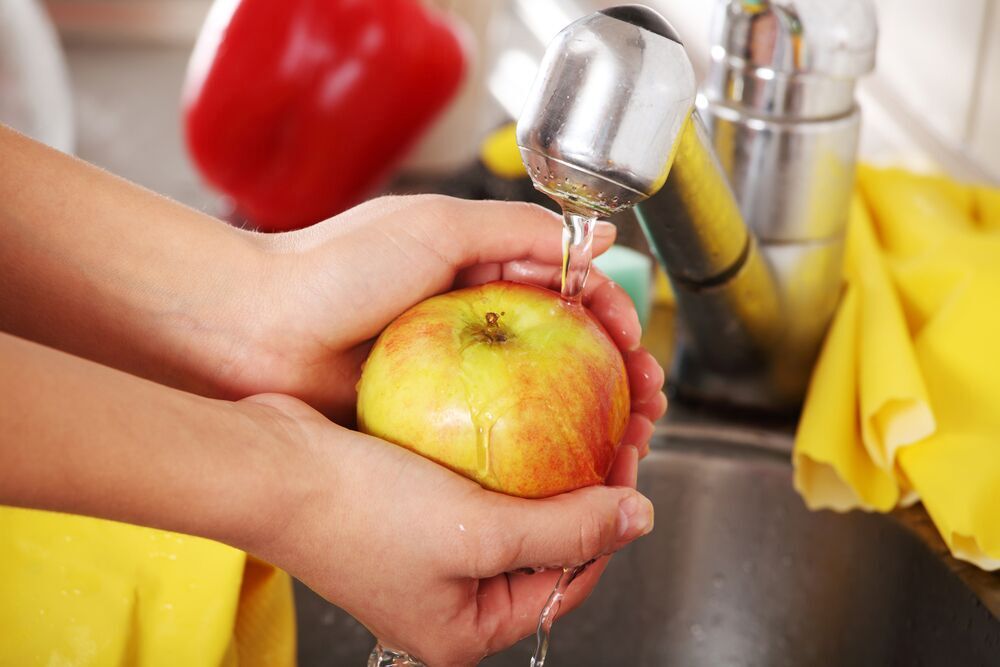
(635, 517)
(603, 229)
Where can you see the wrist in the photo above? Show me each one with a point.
(291, 340)
(234, 330)
(283, 472)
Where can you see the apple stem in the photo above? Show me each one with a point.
(493, 331)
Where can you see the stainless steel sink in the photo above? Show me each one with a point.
(738, 572)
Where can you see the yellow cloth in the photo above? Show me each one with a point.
(904, 403)
(85, 592)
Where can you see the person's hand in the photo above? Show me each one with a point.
(188, 301)
(416, 552)
(328, 290)
(425, 558)
(438, 546)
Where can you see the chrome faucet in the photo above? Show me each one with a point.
(742, 191)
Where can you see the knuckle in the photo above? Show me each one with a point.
(381, 200)
(530, 209)
(433, 204)
(420, 209)
(437, 215)
(384, 204)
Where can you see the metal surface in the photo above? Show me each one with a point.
(793, 180)
(604, 112)
(738, 572)
(796, 59)
(724, 288)
(779, 103)
(808, 276)
(693, 223)
(748, 219)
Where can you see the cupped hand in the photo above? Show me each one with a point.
(427, 559)
(330, 289)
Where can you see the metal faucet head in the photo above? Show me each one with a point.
(612, 94)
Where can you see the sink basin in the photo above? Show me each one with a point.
(739, 572)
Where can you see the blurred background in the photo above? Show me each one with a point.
(109, 88)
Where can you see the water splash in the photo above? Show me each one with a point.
(387, 657)
(549, 611)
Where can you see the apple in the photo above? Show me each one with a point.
(505, 383)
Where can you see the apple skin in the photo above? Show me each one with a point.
(505, 383)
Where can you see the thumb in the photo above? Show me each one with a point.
(570, 529)
(467, 233)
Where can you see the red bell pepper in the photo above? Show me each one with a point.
(299, 109)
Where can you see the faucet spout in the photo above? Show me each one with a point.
(611, 123)
(752, 244)
(600, 125)
(725, 291)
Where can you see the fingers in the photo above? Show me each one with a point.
(478, 275)
(526, 271)
(645, 375)
(625, 469)
(393, 252)
(649, 403)
(539, 273)
(613, 307)
(637, 434)
(480, 232)
(653, 408)
(509, 604)
(564, 530)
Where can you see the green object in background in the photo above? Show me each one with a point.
(632, 270)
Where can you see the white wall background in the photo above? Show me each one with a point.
(932, 104)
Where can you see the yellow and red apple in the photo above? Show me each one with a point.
(505, 383)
